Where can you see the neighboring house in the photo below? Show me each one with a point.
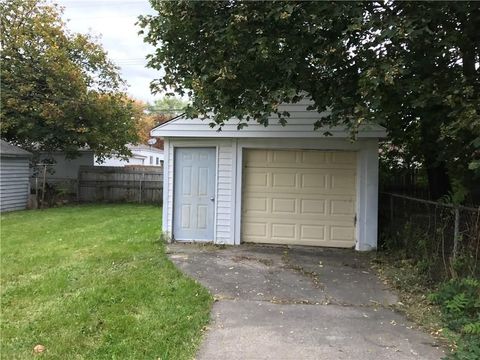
(62, 171)
(141, 155)
(14, 177)
(279, 185)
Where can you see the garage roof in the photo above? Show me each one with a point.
(300, 125)
(9, 150)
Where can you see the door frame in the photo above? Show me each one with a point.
(366, 180)
(195, 145)
(295, 148)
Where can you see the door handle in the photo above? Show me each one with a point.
(212, 199)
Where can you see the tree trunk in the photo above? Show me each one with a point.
(469, 46)
(438, 180)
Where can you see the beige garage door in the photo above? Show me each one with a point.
(302, 197)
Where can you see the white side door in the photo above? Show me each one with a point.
(194, 194)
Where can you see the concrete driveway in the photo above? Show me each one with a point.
(275, 302)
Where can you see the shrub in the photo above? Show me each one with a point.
(459, 301)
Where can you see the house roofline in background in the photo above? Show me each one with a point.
(9, 150)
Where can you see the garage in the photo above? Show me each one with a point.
(299, 197)
(14, 177)
(275, 184)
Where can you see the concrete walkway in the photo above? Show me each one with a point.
(276, 302)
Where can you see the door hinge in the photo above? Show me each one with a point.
(355, 220)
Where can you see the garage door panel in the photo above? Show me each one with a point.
(256, 204)
(315, 181)
(256, 179)
(313, 158)
(330, 243)
(312, 232)
(345, 233)
(292, 204)
(343, 157)
(283, 231)
(284, 206)
(343, 180)
(313, 206)
(342, 207)
(255, 229)
(283, 157)
(300, 165)
(323, 193)
(299, 197)
(320, 181)
(307, 159)
(253, 156)
(284, 179)
(303, 220)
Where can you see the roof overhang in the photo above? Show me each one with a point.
(295, 128)
(300, 124)
(12, 151)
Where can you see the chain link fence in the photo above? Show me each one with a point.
(443, 238)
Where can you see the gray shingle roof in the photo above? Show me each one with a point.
(7, 149)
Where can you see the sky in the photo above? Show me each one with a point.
(113, 21)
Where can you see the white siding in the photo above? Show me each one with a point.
(170, 187)
(300, 124)
(14, 183)
(139, 157)
(119, 162)
(224, 193)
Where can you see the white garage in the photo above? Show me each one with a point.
(14, 177)
(273, 185)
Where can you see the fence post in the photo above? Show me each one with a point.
(43, 185)
(143, 187)
(79, 174)
(456, 232)
(391, 209)
(140, 189)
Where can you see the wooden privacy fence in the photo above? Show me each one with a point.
(142, 184)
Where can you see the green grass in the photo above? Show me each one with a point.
(93, 282)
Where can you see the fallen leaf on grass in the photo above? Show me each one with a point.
(39, 349)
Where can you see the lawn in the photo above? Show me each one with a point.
(93, 282)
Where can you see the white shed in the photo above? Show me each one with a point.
(275, 185)
(14, 177)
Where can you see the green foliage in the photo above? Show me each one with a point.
(459, 300)
(59, 89)
(467, 349)
(416, 246)
(168, 105)
(457, 194)
(406, 65)
(472, 328)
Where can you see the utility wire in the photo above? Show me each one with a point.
(114, 3)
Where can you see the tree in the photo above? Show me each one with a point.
(168, 106)
(151, 116)
(147, 121)
(412, 67)
(59, 91)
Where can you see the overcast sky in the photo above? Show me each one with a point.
(114, 21)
